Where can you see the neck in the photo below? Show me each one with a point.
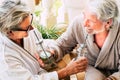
(102, 34)
(18, 41)
(100, 38)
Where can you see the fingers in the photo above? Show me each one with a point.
(80, 65)
(39, 60)
(51, 51)
(77, 66)
(82, 68)
(82, 60)
(36, 56)
(74, 70)
(78, 70)
(71, 61)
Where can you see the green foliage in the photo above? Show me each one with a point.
(37, 13)
(38, 10)
(49, 32)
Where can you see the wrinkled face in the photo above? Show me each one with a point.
(91, 23)
(23, 29)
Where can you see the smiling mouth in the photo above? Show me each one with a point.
(89, 30)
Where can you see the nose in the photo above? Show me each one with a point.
(86, 23)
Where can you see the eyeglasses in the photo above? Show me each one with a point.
(28, 27)
(19, 29)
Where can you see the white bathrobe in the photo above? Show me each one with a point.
(106, 60)
(17, 63)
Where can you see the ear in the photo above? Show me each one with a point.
(109, 23)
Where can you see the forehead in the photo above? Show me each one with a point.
(90, 14)
(27, 19)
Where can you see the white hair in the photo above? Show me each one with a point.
(12, 12)
(104, 9)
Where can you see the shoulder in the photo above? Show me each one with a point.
(78, 19)
(117, 36)
(77, 22)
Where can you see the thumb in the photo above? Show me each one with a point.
(71, 61)
(52, 51)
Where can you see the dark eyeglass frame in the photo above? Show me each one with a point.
(28, 27)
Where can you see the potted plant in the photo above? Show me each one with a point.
(49, 32)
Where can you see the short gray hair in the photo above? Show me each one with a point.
(12, 12)
(105, 9)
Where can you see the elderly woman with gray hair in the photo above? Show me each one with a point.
(98, 27)
(18, 46)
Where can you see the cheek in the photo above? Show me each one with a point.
(92, 25)
(98, 27)
(22, 34)
(95, 26)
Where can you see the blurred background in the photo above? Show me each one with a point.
(52, 17)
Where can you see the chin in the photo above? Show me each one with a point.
(25, 36)
(91, 32)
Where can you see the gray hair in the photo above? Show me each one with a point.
(12, 14)
(104, 9)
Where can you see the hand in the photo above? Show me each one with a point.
(79, 65)
(73, 67)
(51, 51)
(39, 60)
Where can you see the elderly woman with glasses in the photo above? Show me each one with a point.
(18, 46)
